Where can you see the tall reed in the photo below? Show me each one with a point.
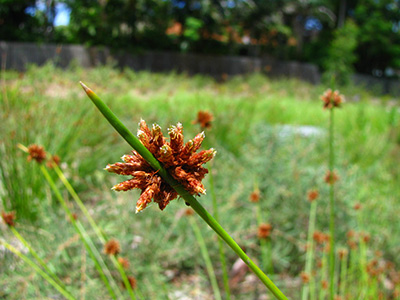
(331, 101)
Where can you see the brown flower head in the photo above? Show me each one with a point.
(264, 231)
(204, 119)
(305, 277)
(350, 234)
(342, 253)
(312, 195)
(324, 284)
(331, 177)
(37, 153)
(189, 212)
(112, 247)
(181, 160)
(320, 237)
(123, 262)
(8, 218)
(332, 99)
(357, 206)
(132, 282)
(255, 196)
(365, 237)
(54, 159)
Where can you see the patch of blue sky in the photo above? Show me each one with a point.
(62, 12)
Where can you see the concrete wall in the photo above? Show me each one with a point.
(16, 56)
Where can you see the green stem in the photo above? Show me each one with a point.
(197, 207)
(36, 256)
(265, 245)
(332, 207)
(310, 254)
(206, 257)
(95, 255)
(222, 257)
(343, 276)
(94, 226)
(38, 270)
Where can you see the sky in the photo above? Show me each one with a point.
(62, 12)
(62, 15)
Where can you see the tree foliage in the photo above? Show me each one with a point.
(306, 30)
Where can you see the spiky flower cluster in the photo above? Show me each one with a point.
(332, 99)
(8, 218)
(204, 119)
(112, 247)
(264, 231)
(181, 160)
(312, 195)
(37, 153)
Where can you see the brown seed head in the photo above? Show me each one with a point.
(365, 237)
(320, 263)
(55, 159)
(74, 216)
(305, 277)
(350, 234)
(189, 212)
(204, 119)
(352, 244)
(123, 262)
(324, 284)
(331, 177)
(112, 247)
(8, 218)
(255, 196)
(357, 206)
(264, 231)
(332, 99)
(312, 195)
(320, 237)
(37, 153)
(342, 253)
(132, 282)
(182, 161)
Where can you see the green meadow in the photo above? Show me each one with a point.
(271, 136)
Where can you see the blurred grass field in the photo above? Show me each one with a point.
(268, 133)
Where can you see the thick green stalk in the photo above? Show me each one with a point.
(36, 256)
(95, 255)
(197, 207)
(222, 257)
(38, 270)
(207, 259)
(332, 207)
(310, 286)
(94, 226)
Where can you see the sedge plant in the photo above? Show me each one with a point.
(41, 268)
(263, 233)
(38, 154)
(204, 119)
(170, 186)
(309, 283)
(332, 100)
(204, 252)
(100, 235)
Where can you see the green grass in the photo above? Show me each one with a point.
(250, 132)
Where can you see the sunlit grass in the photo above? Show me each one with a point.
(252, 142)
